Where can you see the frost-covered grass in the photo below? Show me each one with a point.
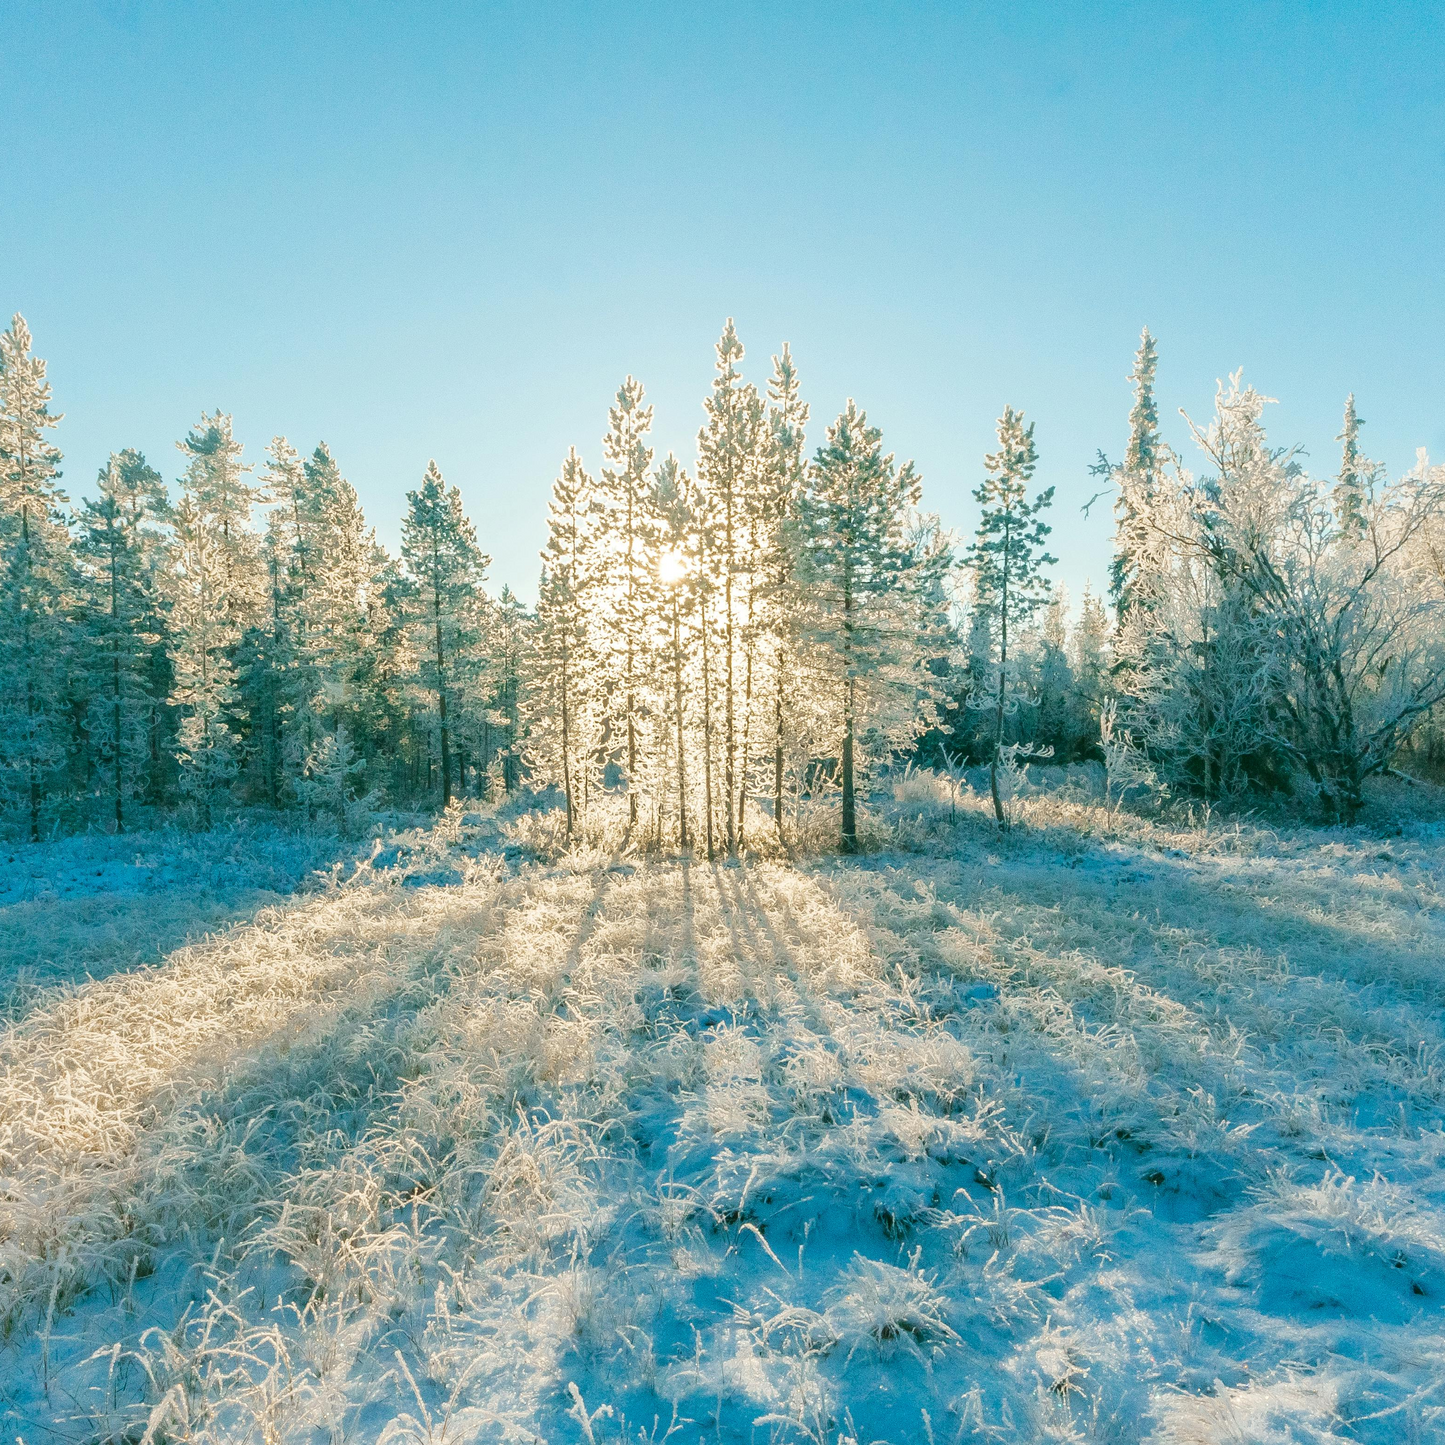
(85, 906)
(1108, 1129)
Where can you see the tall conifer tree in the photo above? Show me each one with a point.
(729, 457)
(629, 576)
(1357, 475)
(1008, 560)
(35, 627)
(563, 669)
(1139, 485)
(118, 546)
(446, 568)
(864, 580)
(218, 590)
(784, 478)
(675, 505)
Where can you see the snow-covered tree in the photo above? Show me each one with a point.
(1089, 662)
(1053, 680)
(679, 555)
(509, 638)
(1138, 482)
(563, 714)
(446, 567)
(36, 588)
(784, 476)
(1345, 600)
(866, 582)
(731, 455)
(218, 589)
(330, 781)
(1358, 476)
(625, 585)
(118, 547)
(1008, 559)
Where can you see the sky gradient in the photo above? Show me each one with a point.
(450, 231)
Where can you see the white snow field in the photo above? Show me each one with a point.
(1099, 1131)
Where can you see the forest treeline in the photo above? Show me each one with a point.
(710, 646)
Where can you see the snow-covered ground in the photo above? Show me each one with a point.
(1097, 1131)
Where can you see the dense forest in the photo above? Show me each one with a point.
(710, 646)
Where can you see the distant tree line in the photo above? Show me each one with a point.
(710, 647)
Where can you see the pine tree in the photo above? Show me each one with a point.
(446, 567)
(273, 685)
(563, 672)
(118, 545)
(729, 460)
(1007, 557)
(218, 591)
(865, 579)
(709, 638)
(679, 552)
(1138, 483)
(628, 578)
(203, 642)
(215, 479)
(784, 479)
(35, 628)
(509, 638)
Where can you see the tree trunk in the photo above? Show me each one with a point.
(566, 753)
(446, 742)
(778, 761)
(707, 734)
(729, 724)
(27, 646)
(850, 816)
(998, 811)
(677, 705)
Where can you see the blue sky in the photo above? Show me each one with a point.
(450, 231)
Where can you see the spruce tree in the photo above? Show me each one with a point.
(1138, 483)
(864, 580)
(1357, 477)
(36, 633)
(1008, 559)
(331, 779)
(446, 568)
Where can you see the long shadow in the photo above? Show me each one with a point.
(1372, 973)
(114, 905)
(1237, 919)
(587, 926)
(349, 1070)
(1157, 961)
